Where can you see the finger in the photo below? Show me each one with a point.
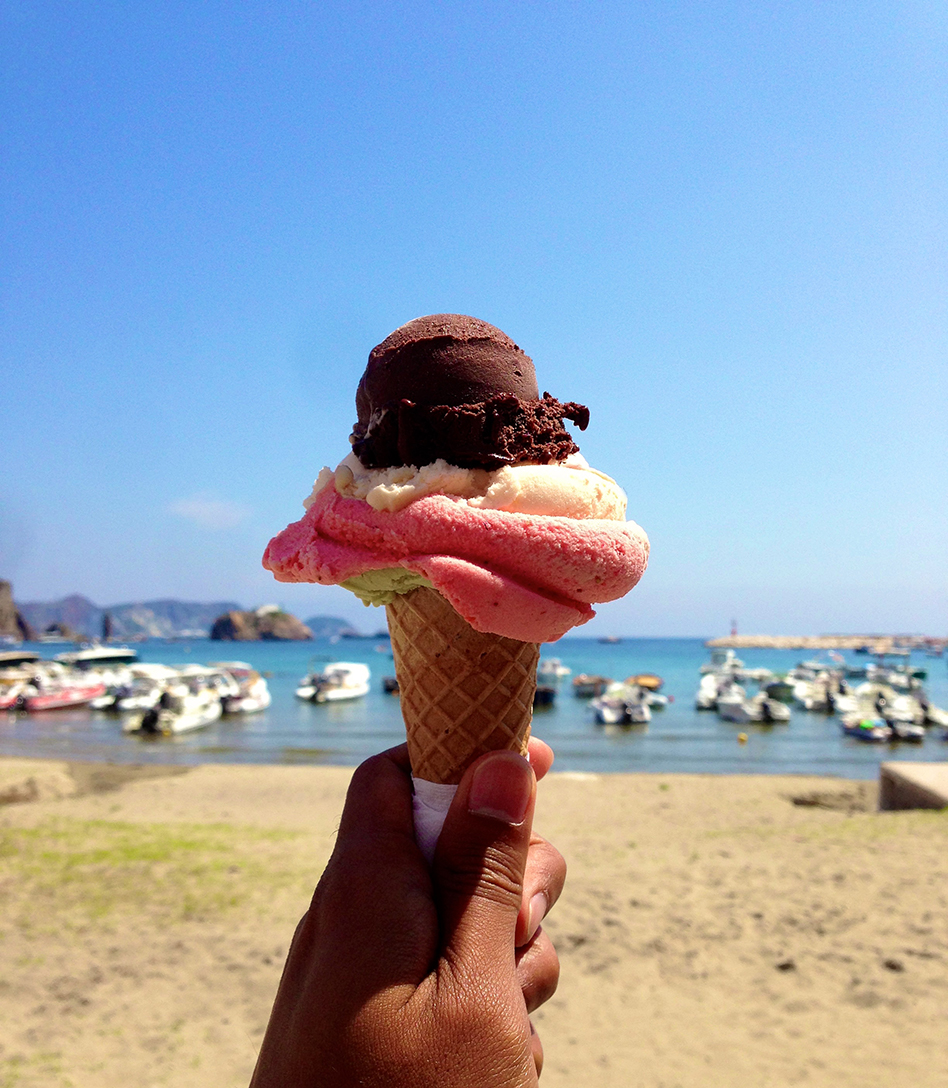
(537, 1047)
(543, 880)
(540, 755)
(373, 903)
(538, 971)
(379, 795)
(480, 859)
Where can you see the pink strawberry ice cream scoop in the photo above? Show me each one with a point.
(522, 537)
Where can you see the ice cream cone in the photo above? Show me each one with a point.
(463, 692)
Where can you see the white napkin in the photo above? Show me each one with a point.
(430, 804)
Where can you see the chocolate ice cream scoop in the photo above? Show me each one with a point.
(452, 387)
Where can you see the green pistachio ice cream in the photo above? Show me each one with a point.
(383, 586)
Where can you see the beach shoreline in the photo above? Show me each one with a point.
(739, 929)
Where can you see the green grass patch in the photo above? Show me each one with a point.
(33, 1069)
(72, 872)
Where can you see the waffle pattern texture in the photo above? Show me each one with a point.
(463, 692)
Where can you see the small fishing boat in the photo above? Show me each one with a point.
(544, 695)
(780, 689)
(647, 680)
(586, 686)
(338, 680)
(868, 730)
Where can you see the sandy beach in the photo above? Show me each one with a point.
(744, 930)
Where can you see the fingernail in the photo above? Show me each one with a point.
(539, 905)
(502, 788)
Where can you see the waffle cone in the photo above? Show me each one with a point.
(463, 692)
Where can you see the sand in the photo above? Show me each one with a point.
(737, 931)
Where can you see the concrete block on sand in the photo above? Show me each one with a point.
(913, 785)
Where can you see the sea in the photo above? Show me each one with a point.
(678, 738)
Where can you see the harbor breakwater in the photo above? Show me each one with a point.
(876, 644)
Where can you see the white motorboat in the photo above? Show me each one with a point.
(11, 693)
(98, 655)
(551, 670)
(734, 707)
(11, 659)
(141, 694)
(182, 708)
(254, 693)
(813, 695)
(338, 680)
(765, 709)
(707, 696)
(909, 732)
(903, 709)
(723, 661)
(211, 676)
(622, 704)
(714, 687)
(934, 715)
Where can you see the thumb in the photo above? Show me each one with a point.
(479, 862)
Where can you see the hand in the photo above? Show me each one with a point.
(414, 978)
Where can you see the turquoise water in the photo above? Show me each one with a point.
(677, 739)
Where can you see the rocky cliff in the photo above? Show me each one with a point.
(166, 618)
(237, 626)
(12, 624)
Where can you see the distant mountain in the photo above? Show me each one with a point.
(330, 627)
(75, 612)
(167, 618)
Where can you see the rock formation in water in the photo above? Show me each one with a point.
(12, 624)
(267, 623)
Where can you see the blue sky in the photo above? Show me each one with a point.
(721, 226)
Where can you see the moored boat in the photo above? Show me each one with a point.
(586, 686)
(253, 692)
(622, 704)
(544, 695)
(868, 730)
(336, 681)
(551, 670)
(59, 696)
(182, 709)
(93, 655)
